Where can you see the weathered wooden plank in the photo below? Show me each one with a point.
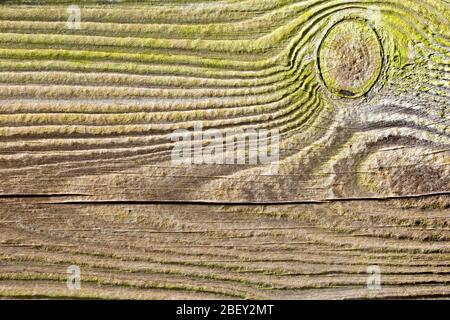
(358, 91)
(281, 252)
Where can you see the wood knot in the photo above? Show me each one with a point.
(350, 58)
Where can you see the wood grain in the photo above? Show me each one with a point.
(85, 151)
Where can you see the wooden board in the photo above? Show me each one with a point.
(87, 178)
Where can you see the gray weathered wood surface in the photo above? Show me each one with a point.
(87, 179)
